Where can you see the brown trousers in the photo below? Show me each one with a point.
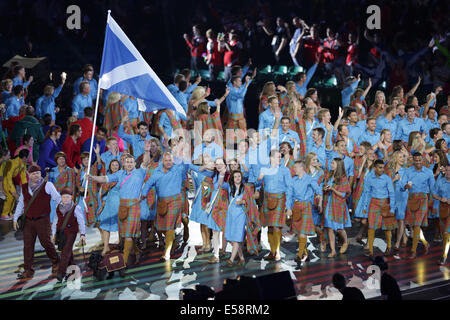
(41, 229)
(67, 253)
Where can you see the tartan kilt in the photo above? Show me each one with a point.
(172, 219)
(376, 220)
(184, 204)
(276, 217)
(131, 226)
(306, 224)
(418, 218)
(233, 121)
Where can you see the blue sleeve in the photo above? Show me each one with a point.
(57, 91)
(44, 151)
(113, 177)
(353, 86)
(191, 88)
(127, 137)
(151, 182)
(289, 183)
(75, 106)
(310, 74)
(289, 197)
(317, 188)
(261, 122)
(391, 193)
(244, 71)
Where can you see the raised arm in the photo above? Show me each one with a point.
(413, 89)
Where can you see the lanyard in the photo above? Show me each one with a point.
(125, 180)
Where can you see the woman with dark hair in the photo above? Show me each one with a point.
(108, 212)
(49, 148)
(217, 207)
(311, 99)
(27, 143)
(236, 218)
(336, 217)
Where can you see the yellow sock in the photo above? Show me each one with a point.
(445, 245)
(270, 236)
(388, 234)
(278, 240)
(301, 246)
(370, 239)
(415, 241)
(422, 237)
(127, 246)
(170, 236)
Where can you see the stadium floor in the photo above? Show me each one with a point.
(154, 280)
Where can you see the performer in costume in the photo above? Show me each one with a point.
(91, 198)
(217, 207)
(299, 206)
(420, 182)
(336, 217)
(108, 212)
(37, 222)
(63, 177)
(130, 180)
(167, 181)
(313, 169)
(276, 180)
(380, 206)
(396, 171)
(441, 193)
(74, 225)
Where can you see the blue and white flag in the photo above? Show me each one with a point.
(125, 71)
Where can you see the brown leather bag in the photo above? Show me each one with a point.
(161, 207)
(386, 210)
(114, 261)
(413, 204)
(296, 213)
(123, 212)
(272, 202)
(444, 209)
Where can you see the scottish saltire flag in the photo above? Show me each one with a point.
(125, 71)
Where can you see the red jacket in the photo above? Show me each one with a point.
(197, 46)
(86, 129)
(72, 151)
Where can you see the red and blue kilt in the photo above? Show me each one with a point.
(172, 219)
(131, 226)
(419, 217)
(305, 224)
(376, 220)
(277, 216)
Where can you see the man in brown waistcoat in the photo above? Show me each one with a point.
(37, 219)
(74, 224)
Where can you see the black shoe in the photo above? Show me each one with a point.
(59, 277)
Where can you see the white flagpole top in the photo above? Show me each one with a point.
(109, 12)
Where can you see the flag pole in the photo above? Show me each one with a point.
(93, 132)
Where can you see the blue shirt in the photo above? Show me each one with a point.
(422, 181)
(442, 188)
(132, 107)
(17, 81)
(380, 188)
(302, 189)
(12, 105)
(277, 180)
(107, 157)
(213, 150)
(348, 162)
(404, 128)
(80, 102)
(136, 141)
(383, 123)
(5, 95)
(367, 136)
(429, 124)
(131, 188)
(168, 183)
(266, 120)
(235, 99)
(354, 132)
(46, 104)
(319, 150)
(287, 136)
(301, 89)
(347, 93)
(92, 85)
